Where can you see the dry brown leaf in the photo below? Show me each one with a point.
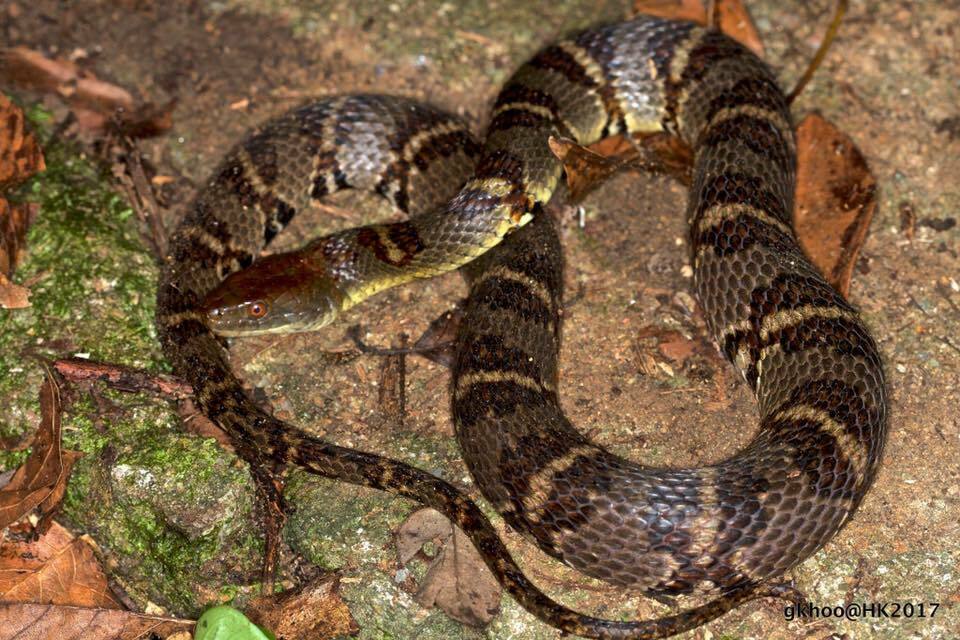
(33, 70)
(145, 121)
(732, 17)
(693, 10)
(41, 481)
(14, 222)
(835, 201)
(20, 158)
(20, 155)
(735, 21)
(659, 153)
(54, 569)
(677, 347)
(13, 296)
(27, 621)
(583, 167)
(615, 146)
(437, 342)
(587, 167)
(314, 611)
(94, 102)
(669, 343)
(457, 581)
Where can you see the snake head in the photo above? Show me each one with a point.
(281, 293)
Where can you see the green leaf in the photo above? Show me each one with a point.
(226, 623)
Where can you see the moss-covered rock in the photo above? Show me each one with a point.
(171, 511)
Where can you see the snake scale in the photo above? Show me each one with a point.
(725, 529)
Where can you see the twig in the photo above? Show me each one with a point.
(392, 390)
(821, 51)
(475, 37)
(140, 194)
(713, 20)
(917, 304)
(122, 378)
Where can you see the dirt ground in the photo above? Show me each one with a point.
(890, 82)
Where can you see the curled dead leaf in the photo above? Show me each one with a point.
(35, 621)
(313, 611)
(13, 296)
(96, 103)
(437, 342)
(20, 155)
(20, 158)
(731, 17)
(56, 568)
(677, 347)
(41, 481)
(32, 70)
(583, 167)
(457, 580)
(653, 340)
(14, 222)
(735, 21)
(693, 10)
(835, 200)
(588, 167)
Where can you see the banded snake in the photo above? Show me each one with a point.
(724, 529)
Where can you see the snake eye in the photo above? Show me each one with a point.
(258, 309)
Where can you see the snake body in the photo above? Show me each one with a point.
(722, 529)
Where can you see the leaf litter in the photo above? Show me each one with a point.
(97, 105)
(457, 580)
(20, 158)
(40, 483)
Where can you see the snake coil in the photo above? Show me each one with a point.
(723, 529)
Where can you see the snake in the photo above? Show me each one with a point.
(725, 530)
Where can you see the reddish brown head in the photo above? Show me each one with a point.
(281, 293)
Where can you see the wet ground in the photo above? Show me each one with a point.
(186, 536)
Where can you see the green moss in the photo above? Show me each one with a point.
(384, 611)
(168, 508)
(89, 277)
(171, 511)
(336, 524)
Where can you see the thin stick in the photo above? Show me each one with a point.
(122, 378)
(140, 193)
(713, 21)
(821, 51)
